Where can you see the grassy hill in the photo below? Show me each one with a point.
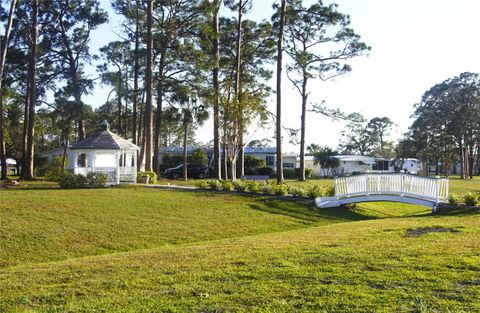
(129, 249)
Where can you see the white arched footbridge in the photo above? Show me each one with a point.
(403, 188)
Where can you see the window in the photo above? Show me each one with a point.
(82, 160)
(288, 165)
(270, 160)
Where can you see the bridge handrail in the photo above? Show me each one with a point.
(435, 189)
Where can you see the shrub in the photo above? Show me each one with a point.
(97, 180)
(280, 189)
(253, 186)
(329, 191)
(71, 181)
(215, 184)
(202, 184)
(265, 171)
(314, 192)
(472, 199)
(240, 185)
(296, 191)
(288, 173)
(454, 199)
(227, 185)
(266, 188)
(50, 170)
(308, 172)
(151, 174)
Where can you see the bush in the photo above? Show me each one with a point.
(97, 180)
(314, 192)
(71, 181)
(288, 173)
(215, 184)
(253, 186)
(308, 172)
(266, 189)
(280, 189)
(329, 191)
(296, 191)
(472, 199)
(227, 185)
(240, 185)
(50, 170)
(454, 199)
(151, 174)
(202, 184)
(265, 171)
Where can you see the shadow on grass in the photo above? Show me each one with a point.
(308, 212)
(458, 211)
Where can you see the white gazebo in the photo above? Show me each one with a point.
(105, 152)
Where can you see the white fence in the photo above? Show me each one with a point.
(434, 189)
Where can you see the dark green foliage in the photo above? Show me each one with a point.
(325, 157)
(72, 181)
(252, 163)
(50, 170)
(265, 171)
(151, 174)
(308, 172)
(97, 180)
(199, 156)
(289, 173)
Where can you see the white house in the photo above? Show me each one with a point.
(350, 164)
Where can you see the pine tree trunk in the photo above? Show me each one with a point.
(185, 152)
(279, 93)
(135, 74)
(148, 85)
(3, 55)
(119, 101)
(32, 68)
(216, 92)
(301, 176)
(158, 120)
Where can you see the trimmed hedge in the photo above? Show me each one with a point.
(267, 188)
(73, 181)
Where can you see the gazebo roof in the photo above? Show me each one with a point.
(104, 140)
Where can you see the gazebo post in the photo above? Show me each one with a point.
(91, 162)
(117, 158)
(74, 161)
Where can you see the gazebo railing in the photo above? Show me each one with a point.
(435, 189)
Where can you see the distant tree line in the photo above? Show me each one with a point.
(171, 65)
(446, 129)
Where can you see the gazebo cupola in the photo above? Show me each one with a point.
(105, 152)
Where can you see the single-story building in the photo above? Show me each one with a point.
(103, 152)
(11, 166)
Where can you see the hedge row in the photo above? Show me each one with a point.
(267, 188)
(92, 180)
(469, 199)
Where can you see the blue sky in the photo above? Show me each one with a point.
(415, 44)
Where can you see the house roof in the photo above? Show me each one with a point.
(104, 140)
(356, 158)
(260, 150)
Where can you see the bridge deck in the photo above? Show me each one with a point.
(387, 187)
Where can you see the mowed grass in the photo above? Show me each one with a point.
(133, 249)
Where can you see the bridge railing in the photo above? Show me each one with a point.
(435, 189)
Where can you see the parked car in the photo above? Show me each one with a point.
(194, 170)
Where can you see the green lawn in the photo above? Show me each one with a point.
(130, 249)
